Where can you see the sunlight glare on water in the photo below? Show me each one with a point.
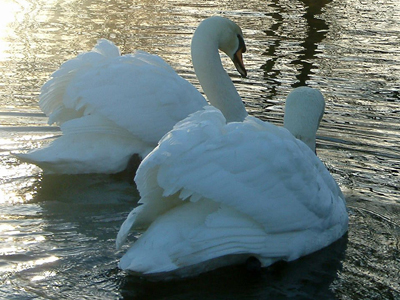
(57, 233)
(7, 15)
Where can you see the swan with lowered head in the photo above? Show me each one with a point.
(297, 113)
(215, 193)
(111, 107)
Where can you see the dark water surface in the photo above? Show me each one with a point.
(57, 232)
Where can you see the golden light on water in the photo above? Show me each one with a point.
(14, 191)
(46, 260)
(44, 275)
(35, 240)
(9, 192)
(6, 197)
(33, 264)
(10, 246)
(6, 227)
(7, 16)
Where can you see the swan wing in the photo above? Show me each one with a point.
(193, 234)
(143, 98)
(253, 167)
(51, 99)
(196, 237)
(139, 92)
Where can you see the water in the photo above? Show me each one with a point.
(57, 232)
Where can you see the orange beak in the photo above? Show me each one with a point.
(238, 61)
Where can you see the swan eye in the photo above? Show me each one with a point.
(241, 43)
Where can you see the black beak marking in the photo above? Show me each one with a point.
(238, 60)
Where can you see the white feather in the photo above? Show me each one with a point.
(263, 193)
(258, 190)
(138, 94)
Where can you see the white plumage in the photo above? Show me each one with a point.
(215, 193)
(110, 107)
(223, 186)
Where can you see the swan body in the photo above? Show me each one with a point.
(214, 193)
(110, 107)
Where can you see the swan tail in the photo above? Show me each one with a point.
(88, 145)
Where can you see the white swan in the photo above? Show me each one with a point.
(111, 106)
(215, 193)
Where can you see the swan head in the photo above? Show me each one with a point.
(214, 34)
(232, 44)
(227, 36)
(304, 109)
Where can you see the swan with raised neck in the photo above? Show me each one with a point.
(212, 34)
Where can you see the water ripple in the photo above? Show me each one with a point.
(57, 232)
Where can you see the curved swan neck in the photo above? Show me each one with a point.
(207, 64)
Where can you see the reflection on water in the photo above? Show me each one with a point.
(310, 30)
(57, 232)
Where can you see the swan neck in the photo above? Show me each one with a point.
(214, 80)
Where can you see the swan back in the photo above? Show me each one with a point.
(304, 109)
